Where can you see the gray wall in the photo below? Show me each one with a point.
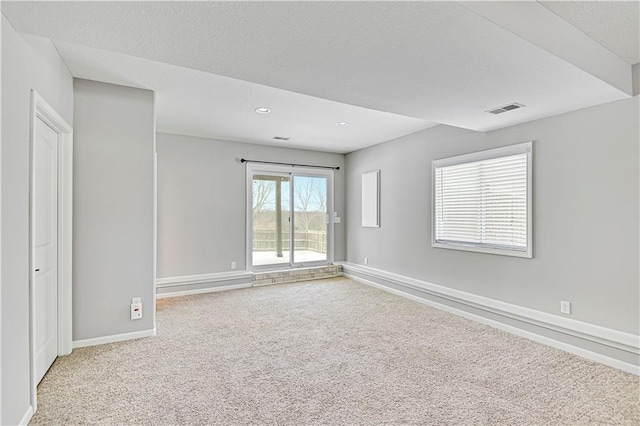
(113, 208)
(201, 201)
(27, 63)
(586, 215)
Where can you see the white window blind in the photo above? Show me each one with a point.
(482, 201)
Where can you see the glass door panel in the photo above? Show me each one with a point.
(310, 219)
(271, 216)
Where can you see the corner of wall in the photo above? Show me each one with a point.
(26, 65)
(113, 210)
(635, 75)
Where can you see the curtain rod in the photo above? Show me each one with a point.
(244, 160)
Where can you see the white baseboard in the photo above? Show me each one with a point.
(202, 290)
(203, 283)
(27, 416)
(113, 338)
(600, 335)
(204, 278)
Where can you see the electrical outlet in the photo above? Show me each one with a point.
(366, 260)
(233, 265)
(136, 310)
(565, 307)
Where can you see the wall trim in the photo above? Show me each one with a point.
(113, 338)
(27, 416)
(601, 335)
(204, 278)
(203, 290)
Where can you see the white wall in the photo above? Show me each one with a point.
(27, 63)
(586, 215)
(201, 201)
(113, 211)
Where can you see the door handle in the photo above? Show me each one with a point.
(38, 270)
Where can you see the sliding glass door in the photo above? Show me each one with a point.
(310, 219)
(288, 217)
(270, 216)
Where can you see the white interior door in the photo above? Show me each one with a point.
(45, 213)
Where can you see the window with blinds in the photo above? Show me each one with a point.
(482, 201)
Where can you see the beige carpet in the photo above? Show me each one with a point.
(328, 352)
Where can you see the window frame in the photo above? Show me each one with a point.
(505, 151)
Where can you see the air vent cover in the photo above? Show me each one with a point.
(506, 108)
(281, 138)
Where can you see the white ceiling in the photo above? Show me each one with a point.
(197, 103)
(614, 24)
(388, 68)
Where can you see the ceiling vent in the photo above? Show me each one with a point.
(505, 108)
(281, 138)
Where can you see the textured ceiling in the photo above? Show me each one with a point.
(197, 103)
(437, 62)
(614, 24)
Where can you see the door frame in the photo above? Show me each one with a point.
(41, 110)
(292, 171)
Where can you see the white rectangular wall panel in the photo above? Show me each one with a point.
(371, 199)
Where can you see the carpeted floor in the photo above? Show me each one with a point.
(328, 352)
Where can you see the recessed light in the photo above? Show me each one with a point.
(263, 110)
(342, 124)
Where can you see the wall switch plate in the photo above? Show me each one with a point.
(565, 307)
(233, 265)
(366, 260)
(136, 311)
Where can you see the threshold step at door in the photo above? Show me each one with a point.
(294, 275)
